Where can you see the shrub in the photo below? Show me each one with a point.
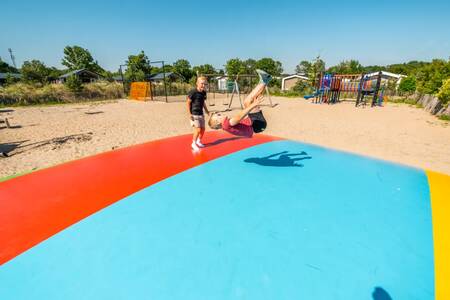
(35, 71)
(289, 94)
(29, 94)
(103, 90)
(444, 92)
(74, 83)
(302, 87)
(275, 82)
(408, 85)
(10, 79)
(431, 76)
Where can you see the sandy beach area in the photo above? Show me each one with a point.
(43, 136)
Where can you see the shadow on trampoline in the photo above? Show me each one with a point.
(281, 159)
(380, 294)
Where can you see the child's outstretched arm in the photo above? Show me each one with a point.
(243, 113)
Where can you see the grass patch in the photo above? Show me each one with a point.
(22, 94)
(396, 100)
(288, 94)
(411, 101)
(403, 100)
(444, 118)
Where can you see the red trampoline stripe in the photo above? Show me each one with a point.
(38, 205)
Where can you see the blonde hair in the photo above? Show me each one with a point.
(201, 78)
(214, 123)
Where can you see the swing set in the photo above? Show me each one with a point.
(232, 89)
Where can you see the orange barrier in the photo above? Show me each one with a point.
(140, 91)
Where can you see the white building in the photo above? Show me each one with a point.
(289, 82)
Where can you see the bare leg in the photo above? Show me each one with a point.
(196, 133)
(258, 90)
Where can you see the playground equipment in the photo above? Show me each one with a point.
(126, 84)
(127, 224)
(236, 91)
(330, 88)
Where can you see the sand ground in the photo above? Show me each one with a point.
(42, 136)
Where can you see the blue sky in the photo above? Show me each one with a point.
(373, 32)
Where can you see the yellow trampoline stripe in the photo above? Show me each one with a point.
(440, 206)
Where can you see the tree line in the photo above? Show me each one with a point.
(423, 77)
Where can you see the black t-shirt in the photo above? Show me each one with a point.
(197, 101)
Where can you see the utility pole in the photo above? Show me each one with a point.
(13, 59)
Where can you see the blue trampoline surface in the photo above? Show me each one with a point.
(312, 224)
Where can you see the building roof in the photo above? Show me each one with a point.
(386, 74)
(296, 76)
(160, 76)
(14, 75)
(78, 72)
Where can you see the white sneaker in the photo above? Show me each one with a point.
(199, 144)
(264, 77)
(194, 146)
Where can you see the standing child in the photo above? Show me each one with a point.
(196, 104)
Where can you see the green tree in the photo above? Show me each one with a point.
(234, 67)
(6, 68)
(159, 69)
(73, 83)
(372, 69)
(269, 65)
(302, 87)
(318, 65)
(183, 68)
(167, 68)
(347, 67)
(398, 69)
(138, 67)
(409, 68)
(108, 75)
(204, 69)
(304, 67)
(408, 85)
(76, 58)
(54, 73)
(311, 69)
(35, 71)
(250, 66)
(431, 76)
